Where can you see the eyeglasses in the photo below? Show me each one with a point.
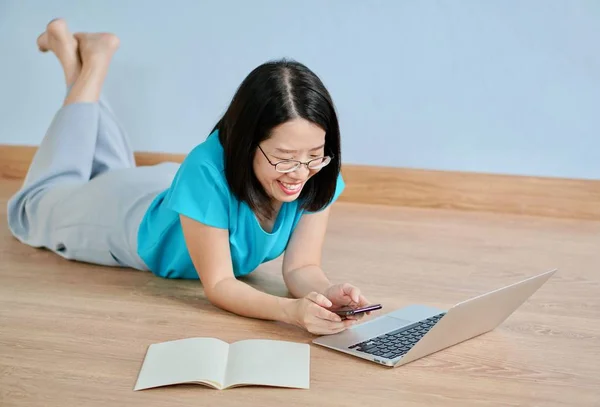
(286, 166)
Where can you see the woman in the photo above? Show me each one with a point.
(258, 186)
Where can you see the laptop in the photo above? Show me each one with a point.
(415, 331)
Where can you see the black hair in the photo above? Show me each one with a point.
(272, 94)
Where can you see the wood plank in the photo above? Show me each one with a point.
(538, 196)
(75, 334)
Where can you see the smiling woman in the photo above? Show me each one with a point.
(290, 165)
(281, 112)
(259, 186)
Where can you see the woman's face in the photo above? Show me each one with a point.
(297, 139)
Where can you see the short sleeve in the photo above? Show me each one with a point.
(339, 188)
(199, 191)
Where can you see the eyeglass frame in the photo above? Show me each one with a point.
(300, 163)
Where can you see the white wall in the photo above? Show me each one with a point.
(490, 86)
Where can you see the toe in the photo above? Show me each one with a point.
(42, 42)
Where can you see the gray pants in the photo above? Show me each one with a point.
(83, 197)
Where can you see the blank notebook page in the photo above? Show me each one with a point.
(265, 362)
(184, 361)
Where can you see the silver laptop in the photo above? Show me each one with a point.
(410, 333)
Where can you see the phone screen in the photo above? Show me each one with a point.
(347, 311)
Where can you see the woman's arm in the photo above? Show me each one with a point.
(209, 251)
(302, 271)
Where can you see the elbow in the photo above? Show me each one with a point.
(210, 292)
(288, 275)
(288, 271)
(216, 292)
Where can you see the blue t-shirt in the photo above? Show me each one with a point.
(200, 191)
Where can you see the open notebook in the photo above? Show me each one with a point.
(215, 363)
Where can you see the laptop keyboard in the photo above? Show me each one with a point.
(398, 342)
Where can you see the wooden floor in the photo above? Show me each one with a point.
(75, 335)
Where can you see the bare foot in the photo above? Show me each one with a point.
(97, 49)
(58, 39)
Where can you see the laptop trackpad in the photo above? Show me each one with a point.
(415, 313)
(362, 332)
(380, 326)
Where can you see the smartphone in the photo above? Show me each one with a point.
(349, 311)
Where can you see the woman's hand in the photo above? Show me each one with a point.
(311, 313)
(346, 295)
